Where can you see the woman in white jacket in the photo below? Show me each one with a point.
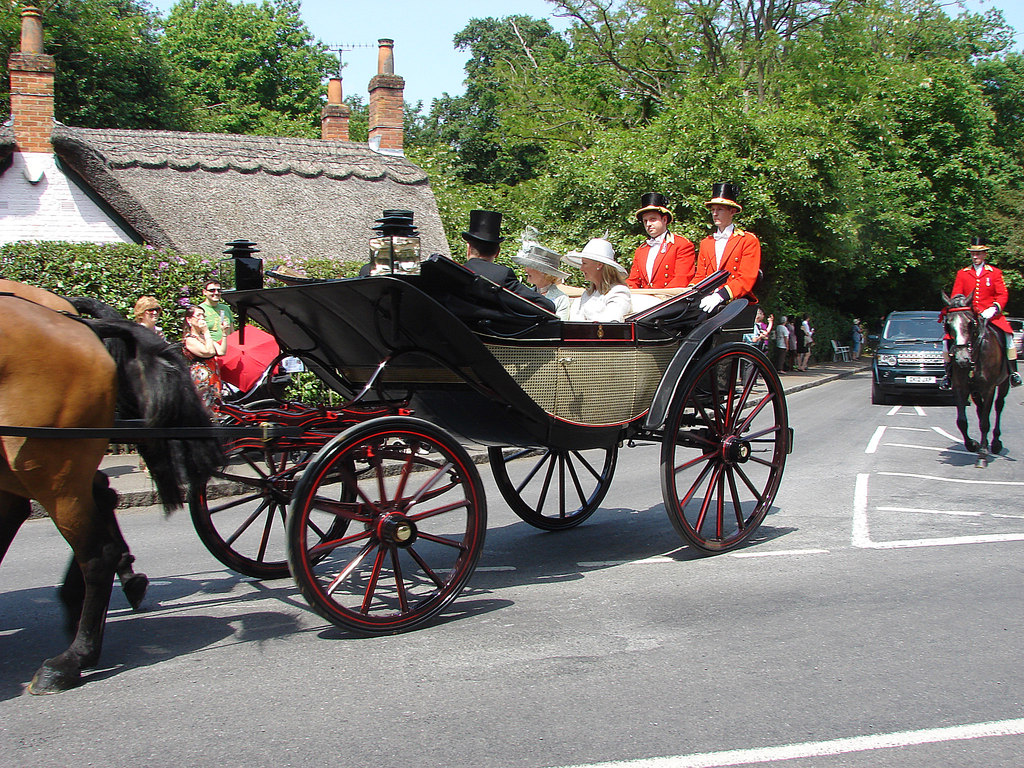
(606, 299)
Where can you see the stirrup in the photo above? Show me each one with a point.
(944, 384)
(1015, 379)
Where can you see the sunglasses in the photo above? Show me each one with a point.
(212, 290)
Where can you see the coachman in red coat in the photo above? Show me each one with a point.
(665, 260)
(728, 248)
(984, 284)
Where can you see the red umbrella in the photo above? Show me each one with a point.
(242, 364)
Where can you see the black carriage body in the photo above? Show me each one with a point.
(479, 361)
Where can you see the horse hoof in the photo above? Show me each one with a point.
(997, 447)
(51, 678)
(134, 589)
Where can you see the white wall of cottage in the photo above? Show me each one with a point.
(38, 202)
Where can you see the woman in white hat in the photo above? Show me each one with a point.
(542, 272)
(606, 299)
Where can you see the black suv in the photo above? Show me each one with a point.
(909, 358)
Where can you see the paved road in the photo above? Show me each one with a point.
(876, 622)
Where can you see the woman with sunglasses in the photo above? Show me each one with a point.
(147, 313)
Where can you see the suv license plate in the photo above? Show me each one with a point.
(920, 379)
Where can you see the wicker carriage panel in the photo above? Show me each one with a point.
(588, 385)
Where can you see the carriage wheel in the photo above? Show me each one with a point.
(245, 530)
(724, 449)
(416, 515)
(553, 489)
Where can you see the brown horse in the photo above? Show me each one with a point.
(56, 372)
(978, 372)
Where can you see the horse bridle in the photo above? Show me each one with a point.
(972, 336)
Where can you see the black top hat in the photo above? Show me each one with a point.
(978, 244)
(484, 226)
(725, 193)
(396, 222)
(654, 201)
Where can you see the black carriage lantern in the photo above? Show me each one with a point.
(246, 268)
(395, 250)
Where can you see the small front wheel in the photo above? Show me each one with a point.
(724, 449)
(414, 516)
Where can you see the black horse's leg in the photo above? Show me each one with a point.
(984, 409)
(72, 595)
(133, 584)
(1001, 390)
(14, 510)
(960, 395)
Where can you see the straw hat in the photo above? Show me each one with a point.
(536, 256)
(597, 249)
(725, 193)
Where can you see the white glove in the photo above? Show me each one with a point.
(708, 303)
(989, 313)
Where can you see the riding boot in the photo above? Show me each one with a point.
(944, 383)
(1014, 376)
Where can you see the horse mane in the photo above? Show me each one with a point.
(154, 384)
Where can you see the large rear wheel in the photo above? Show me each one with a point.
(553, 489)
(724, 449)
(414, 508)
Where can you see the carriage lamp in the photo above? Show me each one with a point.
(246, 268)
(396, 248)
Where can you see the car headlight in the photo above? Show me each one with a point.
(887, 359)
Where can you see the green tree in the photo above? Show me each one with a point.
(254, 68)
(110, 69)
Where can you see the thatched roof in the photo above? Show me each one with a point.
(194, 192)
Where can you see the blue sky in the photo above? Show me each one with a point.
(423, 32)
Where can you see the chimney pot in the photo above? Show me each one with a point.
(386, 57)
(334, 90)
(31, 30)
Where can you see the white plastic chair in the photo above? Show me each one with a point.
(840, 353)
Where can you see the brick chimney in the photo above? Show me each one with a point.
(32, 86)
(334, 116)
(386, 91)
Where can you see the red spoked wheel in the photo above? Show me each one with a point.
(413, 504)
(553, 489)
(724, 449)
(244, 527)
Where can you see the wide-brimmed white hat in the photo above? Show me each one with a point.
(536, 256)
(597, 249)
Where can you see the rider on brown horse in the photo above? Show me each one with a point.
(984, 284)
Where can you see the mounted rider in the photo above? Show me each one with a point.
(983, 285)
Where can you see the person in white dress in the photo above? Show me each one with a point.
(607, 298)
(542, 272)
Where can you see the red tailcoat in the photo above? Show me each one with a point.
(742, 258)
(988, 289)
(673, 267)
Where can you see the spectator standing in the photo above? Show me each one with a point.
(791, 344)
(857, 337)
(219, 320)
(806, 341)
(147, 313)
(781, 344)
(762, 330)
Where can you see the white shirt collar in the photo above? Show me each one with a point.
(724, 234)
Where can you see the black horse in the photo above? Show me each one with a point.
(978, 372)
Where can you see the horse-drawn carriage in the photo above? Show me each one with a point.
(376, 507)
(378, 510)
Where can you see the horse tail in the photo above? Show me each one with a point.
(155, 385)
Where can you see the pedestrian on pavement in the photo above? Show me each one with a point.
(781, 344)
(857, 337)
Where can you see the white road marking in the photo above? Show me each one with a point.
(952, 479)
(875, 439)
(926, 447)
(782, 552)
(495, 568)
(894, 410)
(928, 511)
(913, 429)
(1012, 517)
(860, 513)
(821, 748)
(920, 410)
(951, 541)
(946, 434)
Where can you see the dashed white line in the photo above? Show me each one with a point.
(821, 748)
(946, 434)
(860, 537)
(782, 552)
(951, 479)
(875, 439)
(928, 511)
(925, 447)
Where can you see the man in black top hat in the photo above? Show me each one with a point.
(483, 242)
